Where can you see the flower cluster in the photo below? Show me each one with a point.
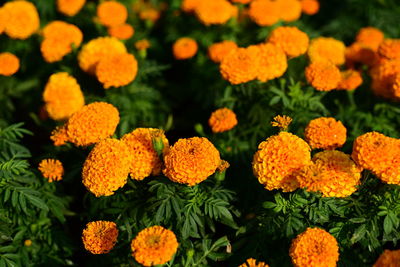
(99, 237)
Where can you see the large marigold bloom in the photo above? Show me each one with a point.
(218, 51)
(22, 19)
(272, 61)
(51, 169)
(278, 158)
(351, 79)
(9, 64)
(370, 37)
(122, 32)
(154, 245)
(389, 258)
(222, 120)
(111, 13)
(145, 161)
(62, 96)
(191, 160)
(390, 49)
(327, 50)
(99, 237)
(323, 76)
(382, 77)
(290, 39)
(92, 52)
(253, 263)
(70, 7)
(310, 7)
(325, 133)
(314, 247)
(184, 48)
(265, 12)
(290, 10)
(107, 167)
(240, 66)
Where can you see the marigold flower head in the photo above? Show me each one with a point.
(359, 53)
(22, 19)
(323, 76)
(184, 48)
(282, 122)
(122, 31)
(142, 44)
(325, 133)
(370, 37)
(390, 48)
(70, 7)
(272, 61)
(111, 13)
(222, 120)
(99, 237)
(265, 12)
(214, 11)
(327, 50)
(253, 263)
(92, 52)
(382, 77)
(314, 247)
(290, 10)
(59, 135)
(150, 14)
(9, 64)
(351, 79)
(389, 258)
(191, 160)
(3, 19)
(107, 167)
(154, 245)
(63, 96)
(51, 169)
(278, 158)
(190, 5)
(310, 7)
(28, 243)
(218, 51)
(290, 39)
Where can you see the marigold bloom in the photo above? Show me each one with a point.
(323, 76)
(218, 51)
(3, 19)
(154, 245)
(253, 263)
(265, 12)
(290, 10)
(142, 44)
(99, 237)
(59, 135)
(314, 247)
(327, 50)
(96, 49)
(278, 158)
(272, 61)
(382, 77)
(22, 19)
(222, 120)
(214, 11)
(390, 48)
(184, 48)
(150, 14)
(70, 7)
(359, 53)
(389, 258)
(63, 96)
(111, 13)
(189, 5)
(290, 39)
(370, 37)
(282, 122)
(122, 32)
(310, 7)
(325, 133)
(191, 160)
(28, 243)
(9, 64)
(51, 169)
(351, 79)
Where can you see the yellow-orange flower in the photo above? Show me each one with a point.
(150, 14)
(184, 48)
(325, 133)
(190, 5)
(310, 7)
(282, 122)
(99, 237)
(389, 258)
(154, 245)
(278, 158)
(327, 50)
(142, 44)
(272, 61)
(390, 49)
(96, 49)
(214, 11)
(351, 79)
(22, 19)
(314, 247)
(111, 13)
(9, 64)
(382, 77)
(70, 7)
(51, 169)
(145, 158)
(191, 160)
(62, 96)
(289, 10)
(122, 32)
(222, 120)
(265, 12)
(253, 263)
(290, 39)
(323, 76)
(370, 37)
(107, 167)
(218, 51)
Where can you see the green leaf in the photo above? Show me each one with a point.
(37, 202)
(387, 225)
(359, 233)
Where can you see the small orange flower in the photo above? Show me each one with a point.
(265, 12)
(150, 14)
(282, 122)
(370, 37)
(290, 39)
(142, 44)
(51, 169)
(272, 61)
(325, 133)
(253, 263)
(70, 7)
(327, 50)
(351, 79)
(290, 10)
(154, 245)
(22, 19)
(222, 120)
(122, 32)
(390, 49)
(184, 48)
(111, 13)
(214, 11)
(99, 237)
(323, 76)
(389, 258)
(218, 51)
(9, 64)
(310, 7)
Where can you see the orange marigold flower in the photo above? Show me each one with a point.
(327, 50)
(51, 169)
(325, 133)
(70, 7)
(310, 7)
(63, 96)
(396, 86)
(150, 13)
(122, 32)
(142, 44)
(9, 64)
(323, 76)
(313, 248)
(332, 173)
(290, 39)
(389, 258)
(265, 12)
(370, 37)
(253, 263)
(96, 49)
(351, 79)
(359, 53)
(107, 167)
(59, 135)
(218, 51)
(154, 245)
(290, 10)
(382, 77)
(191, 160)
(390, 48)
(3, 19)
(184, 48)
(282, 122)
(145, 158)
(222, 120)
(190, 5)
(99, 237)
(111, 13)
(214, 11)
(278, 158)
(272, 61)
(22, 19)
